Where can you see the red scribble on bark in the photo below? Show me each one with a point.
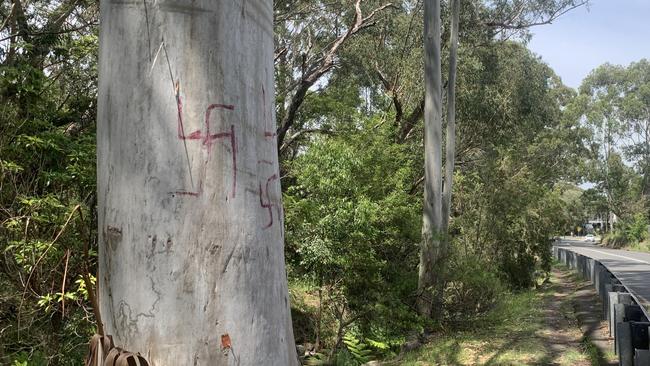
(267, 205)
(209, 138)
(207, 141)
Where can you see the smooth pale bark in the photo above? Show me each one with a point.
(191, 261)
(437, 203)
(432, 210)
(450, 159)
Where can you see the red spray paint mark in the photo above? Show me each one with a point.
(209, 138)
(207, 141)
(267, 205)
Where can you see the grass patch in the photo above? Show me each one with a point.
(515, 332)
(595, 355)
(505, 336)
(643, 246)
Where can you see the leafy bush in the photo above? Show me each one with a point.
(616, 239)
(628, 232)
(473, 288)
(636, 230)
(353, 228)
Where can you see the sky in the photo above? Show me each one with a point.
(614, 31)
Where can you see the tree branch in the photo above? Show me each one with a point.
(288, 141)
(320, 67)
(512, 24)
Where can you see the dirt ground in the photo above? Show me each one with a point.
(588, 310)
(573, 322)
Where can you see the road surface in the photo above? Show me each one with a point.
(631, 268)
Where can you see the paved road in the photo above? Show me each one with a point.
(631, 268)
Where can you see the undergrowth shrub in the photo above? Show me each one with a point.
(474, 288)
(628, 232)
(616, 239)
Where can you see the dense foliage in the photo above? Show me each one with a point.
(47, 179)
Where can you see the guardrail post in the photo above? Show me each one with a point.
(595, 265)
(599, 277)
(633, 313)
(640, 341)
(624, 344)
(619, 317)
(640, 335)
(607, 290)
(641, 357)
(616, 298)
(574, 260)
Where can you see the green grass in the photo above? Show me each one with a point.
(643, 246)
(595, 355)
(513, 333)
(503, 337)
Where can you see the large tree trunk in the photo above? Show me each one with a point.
(450, 159)
(450, 162)
(432, 215)
(437, 203)
(191, 262)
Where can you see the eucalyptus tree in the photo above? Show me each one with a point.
(615, 104)
(436, 199)
(508, 17)
(309, 39)
(191, 262)
(517, 148)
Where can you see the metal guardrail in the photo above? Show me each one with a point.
(628, 320)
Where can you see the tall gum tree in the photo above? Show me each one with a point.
(191, 262)
(436, 201)
(509, 18)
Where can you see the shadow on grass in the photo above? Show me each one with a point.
(596, 355)
(522, 331)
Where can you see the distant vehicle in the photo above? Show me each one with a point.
(590, 237)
